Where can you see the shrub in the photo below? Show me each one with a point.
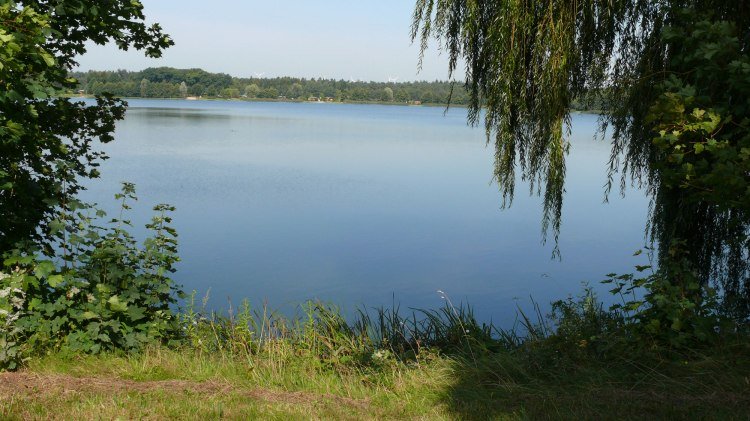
(99, 292)
(669, 307)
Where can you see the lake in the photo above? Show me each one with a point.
(361, 205)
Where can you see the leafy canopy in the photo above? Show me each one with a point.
(673, 80)
(46, 142)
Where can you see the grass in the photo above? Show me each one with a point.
(433, 365)
(162, 384)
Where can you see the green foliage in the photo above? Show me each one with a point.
(46, 142)
(702, 125)
(104, 293)
(669, 307)
(672, 80)
(165, 82)
(583, 327)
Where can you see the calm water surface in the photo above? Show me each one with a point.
(358, 204)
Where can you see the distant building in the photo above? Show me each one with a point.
(329, 99)
(313, 99)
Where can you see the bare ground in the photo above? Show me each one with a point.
(34, 384)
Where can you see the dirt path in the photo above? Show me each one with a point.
(34, 384)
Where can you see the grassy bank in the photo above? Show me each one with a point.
(161, 384)
(433, 365)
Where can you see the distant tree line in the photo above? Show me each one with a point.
(166, 82)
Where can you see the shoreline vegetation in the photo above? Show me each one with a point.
(197, 84)
(295, 101)
(428, 364)
(286, 100)
(113, 336)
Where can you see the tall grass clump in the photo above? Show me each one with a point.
(576, 329)
(321, 331)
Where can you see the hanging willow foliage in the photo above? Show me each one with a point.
(673, 81)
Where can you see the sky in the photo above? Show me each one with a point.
(341, 39)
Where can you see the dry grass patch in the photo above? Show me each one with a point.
(34, 384)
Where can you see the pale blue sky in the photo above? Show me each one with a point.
(342, 39)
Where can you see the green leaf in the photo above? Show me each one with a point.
(34, 304)
(116, 305)
(634, 306)
(44, 268)
(136, 313)
(55, 280)
(48, 59)
(90, 315)
(677, 324)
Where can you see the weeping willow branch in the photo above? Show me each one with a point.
(527, 60)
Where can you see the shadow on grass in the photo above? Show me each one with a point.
(524, 386)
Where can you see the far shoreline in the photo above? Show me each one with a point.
(292, 101)
(402, 104)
